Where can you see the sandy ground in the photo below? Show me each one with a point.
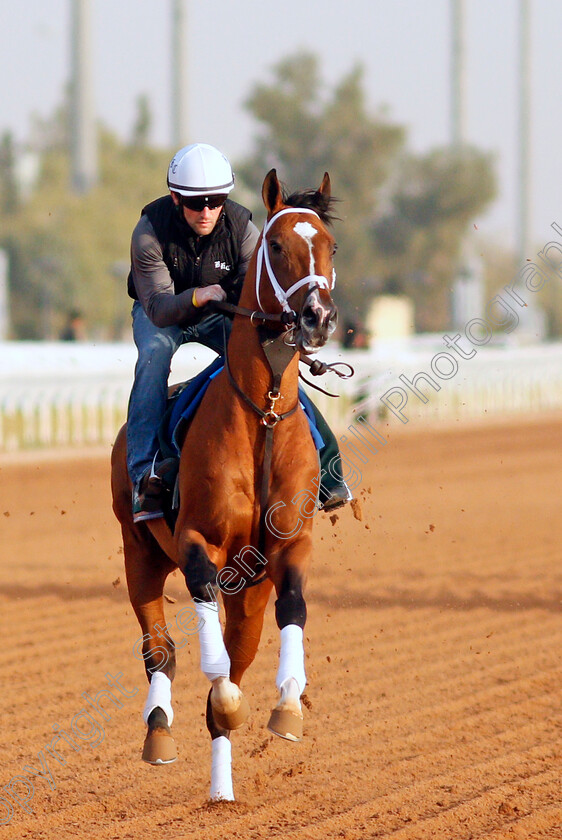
(434, 660)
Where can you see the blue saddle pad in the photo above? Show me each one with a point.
(189, 398)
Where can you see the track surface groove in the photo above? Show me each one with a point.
(434, 646)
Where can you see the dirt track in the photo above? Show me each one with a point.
(434, 659)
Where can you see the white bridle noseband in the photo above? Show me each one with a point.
(263, 256)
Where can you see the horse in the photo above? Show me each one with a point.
(248, 483)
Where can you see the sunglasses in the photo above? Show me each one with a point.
(199, 203)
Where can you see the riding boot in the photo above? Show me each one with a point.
(334, 492)
(150, 489)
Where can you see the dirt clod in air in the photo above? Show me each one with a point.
(357, 509)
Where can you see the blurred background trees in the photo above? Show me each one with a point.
(403, 217)
(70, 252)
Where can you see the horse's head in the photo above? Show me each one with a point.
(295, 260)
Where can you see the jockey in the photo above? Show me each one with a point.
(189, 248)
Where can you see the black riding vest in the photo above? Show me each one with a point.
(198, 261)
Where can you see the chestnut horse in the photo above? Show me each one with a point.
(247, 461)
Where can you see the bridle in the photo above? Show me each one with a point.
(283, 295)
(277, 360)
(288, 316)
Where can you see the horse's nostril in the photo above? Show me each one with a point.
(316, 317)
(309, 316)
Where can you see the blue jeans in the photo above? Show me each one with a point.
(147, 404)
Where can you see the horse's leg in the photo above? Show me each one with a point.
(244, 622)
(195, 559)
(227, 708)
(290, 613)
(221, 758)
(147, 568)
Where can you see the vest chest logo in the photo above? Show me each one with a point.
(224, 266)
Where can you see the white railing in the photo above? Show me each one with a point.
(76, 394)
(497, 380)
(66, 394)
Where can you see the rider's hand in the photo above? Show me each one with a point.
(204, 294)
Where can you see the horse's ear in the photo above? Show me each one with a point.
(325, 188)
(271, 192)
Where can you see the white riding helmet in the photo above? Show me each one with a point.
(200, 169)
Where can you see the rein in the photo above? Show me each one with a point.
(318, 368)
(256, 315)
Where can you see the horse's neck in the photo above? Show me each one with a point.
(249, 364)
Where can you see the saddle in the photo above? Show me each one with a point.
(183, 403)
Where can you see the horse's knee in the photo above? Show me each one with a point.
(200, 573)
(290, 606)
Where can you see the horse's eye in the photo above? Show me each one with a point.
(276, 247)
(335, 249)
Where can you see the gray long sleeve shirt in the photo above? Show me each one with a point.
(154, 285)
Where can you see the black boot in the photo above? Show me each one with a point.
(149, 490)
(334, 492)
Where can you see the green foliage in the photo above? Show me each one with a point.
(403, 217)
(70, 252)
(8, 187)
(421, 233)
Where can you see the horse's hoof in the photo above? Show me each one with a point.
(234, 719)
(159, 747)
(215, 800)
(286, 724)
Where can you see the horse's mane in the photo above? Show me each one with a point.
(312, 200)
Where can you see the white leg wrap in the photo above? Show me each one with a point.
(221, 770)
(291, 657)
(159, 694)
(215, 661)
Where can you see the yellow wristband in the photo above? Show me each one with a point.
(194, 299)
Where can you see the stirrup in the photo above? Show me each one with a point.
(339, 495)
(148, 491)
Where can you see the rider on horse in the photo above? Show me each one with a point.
(190, 248)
